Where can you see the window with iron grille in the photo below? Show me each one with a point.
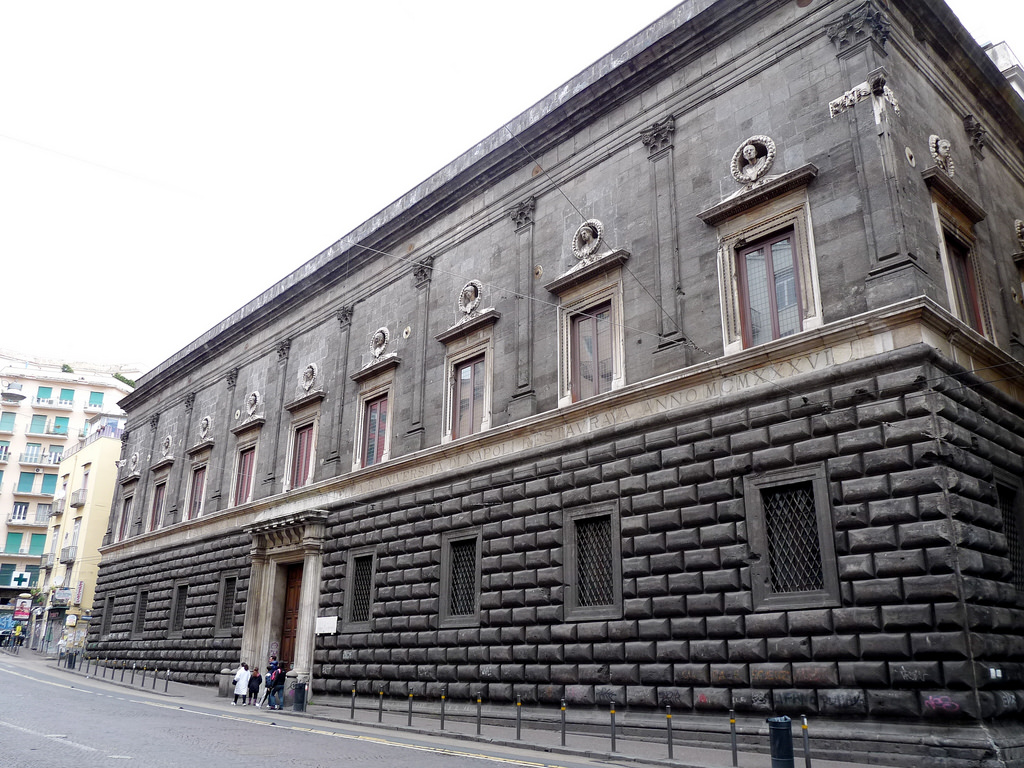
(108, 615)
(594, 577)
(226, 603)
(359, 590)
(178, 608)
(139, 620)
(460, 578)
(791, 539)
(1013, 528)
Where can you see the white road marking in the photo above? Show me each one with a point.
(50, 736)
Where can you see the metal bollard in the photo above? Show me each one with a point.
(780, 741)
(154, 678)
(519, 716)
(104, 668)
(352, 711)
(123, 665)
(133, 673)
(478, 713)
(807, 742)
(380, 707)
(563, 722)
(732, 728)
(143, 677)
(167, 679)
(86, 666)
(612, 710)
(410, 711)
(668, 728)
(442, 711)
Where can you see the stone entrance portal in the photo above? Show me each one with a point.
(284, 590)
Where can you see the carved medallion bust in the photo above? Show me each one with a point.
(469, 297)
(379, 341)
(587, 239)
(753, 159)
(941, 151)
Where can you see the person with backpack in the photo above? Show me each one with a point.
(275, 684)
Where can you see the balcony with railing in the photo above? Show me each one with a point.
(38, 458)
(24, 521)
(78, 497)
(105, 431)
(46, 561)
(5, 455)
(53, 403)
(50, 428)
(58, 507)
(67, 554)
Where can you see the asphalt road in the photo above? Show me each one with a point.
(51, 720)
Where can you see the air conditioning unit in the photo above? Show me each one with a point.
(38, 470)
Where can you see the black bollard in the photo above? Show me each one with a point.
(612, 711)
(478, 713)
(780, 741)
(807, 742)
(668, 728)
(563, 722)
(133, 673)
(352, 711)
(143, 678)
(442, 711)
(732, 728)
(167, 679)
(154, 678)
(519, 716)
(380, 707)
(123, 665)
(409, 723)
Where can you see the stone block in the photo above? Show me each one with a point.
(877, 592)
(770, 675)
(842, 701)
(691, 627)
(606, 695)
(932, 645)
(756, 700)
(816, 674)
(795, 701)
(815, 449)
(726, 580)
(675, 697)
(921, 589)
(708, 651)
(811, 622)
(835, 647)
(887, 646)
(712, 699)
(789, 649)
(705, 604)
(680, 454)
(767, 624)
(865, 489)
(861, 441)
(772, 458)
(900, 563)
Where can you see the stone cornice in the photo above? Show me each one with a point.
(746, 199)
(248, 424)
(470, 324)
(378, 366)
(939, 181)
(308, 399)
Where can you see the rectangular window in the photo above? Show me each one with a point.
(38, 544)
(44, 393)
(592, 355)
(56, 454)
(468, 400)
(25, 482)
(770, 297)
(19, 512)
(964, 283)
(179, 601)
(226, 604)
(359, 590)
(43, 512)
(791, 536)
(157, 510)
(139, 620)
(49, 484)
(195, 493)
(126, 518)
(302, 455)
(33, 575)
(60, 425)
(245, 474)
(37, 425)
(6, 574)
(67, 396)
(1013, 528)
(5, 450)
(594, 564)
(108, 615)
(13, 545)
(375, 427)
(6, 422)
(33, 452)
(460, 579)
(96, 399)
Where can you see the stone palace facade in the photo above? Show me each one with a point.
(697, 385)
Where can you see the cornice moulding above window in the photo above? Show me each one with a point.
(470, 324)
(308, 399)
(746, 199)
(376, 367)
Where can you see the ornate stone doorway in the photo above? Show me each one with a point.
(284, 590)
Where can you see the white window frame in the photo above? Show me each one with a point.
(242, 446)
(371, 389)
(301, 420)
(604, 288)
(479, 343)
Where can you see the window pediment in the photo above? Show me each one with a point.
(386, 363)
(742, 201)
(307, 399)
(938, 181)
(244, 427)
(586, 270)
(468, 326)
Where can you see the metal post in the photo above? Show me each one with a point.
(104, 668)
(668, 728)
(478, 713)
(442, 711)
(410, 710)
(167, 679)
(86, 666)
(519, 716)
(613, 724)
(563, 722)
(143, 678)
(154, 679)
(732, 728)
(380, 707)
(133, 673)
(807, 742)
(352, 711)
(123, 665)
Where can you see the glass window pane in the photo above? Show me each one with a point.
(755, 270)
(786, 302)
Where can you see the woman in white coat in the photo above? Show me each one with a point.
(241, 681)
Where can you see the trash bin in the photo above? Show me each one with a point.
(71, 660)
(299, 702)
(780, 740)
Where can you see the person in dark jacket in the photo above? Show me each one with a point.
(255, 680)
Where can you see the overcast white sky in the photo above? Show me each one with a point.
(161, 164)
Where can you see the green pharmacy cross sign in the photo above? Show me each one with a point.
(20, 579)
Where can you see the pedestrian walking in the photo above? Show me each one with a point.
(241, 681)
(276, 686)
(255, 680)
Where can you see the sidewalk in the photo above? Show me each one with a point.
(641, 739)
